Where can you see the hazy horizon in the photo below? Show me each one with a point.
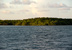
(25, 9)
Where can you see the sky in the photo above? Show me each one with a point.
(24, 9)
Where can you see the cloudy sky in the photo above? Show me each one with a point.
(24, 9)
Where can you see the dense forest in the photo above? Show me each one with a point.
(37, 21)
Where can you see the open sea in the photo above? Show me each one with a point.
(35, 37)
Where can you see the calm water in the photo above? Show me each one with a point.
(35, 37)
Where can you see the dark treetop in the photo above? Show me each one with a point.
(37, 21)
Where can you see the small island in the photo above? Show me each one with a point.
(37, 22)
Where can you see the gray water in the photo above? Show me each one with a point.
(35, 37)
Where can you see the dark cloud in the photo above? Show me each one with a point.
(22, 2)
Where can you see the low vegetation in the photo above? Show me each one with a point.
(37, 21)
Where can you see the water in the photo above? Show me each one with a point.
(35, 37)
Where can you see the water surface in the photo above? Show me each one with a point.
(35, 37)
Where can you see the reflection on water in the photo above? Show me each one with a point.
(35, 37)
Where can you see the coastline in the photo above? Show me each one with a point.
(37, 22)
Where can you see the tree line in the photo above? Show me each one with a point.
(37, 22)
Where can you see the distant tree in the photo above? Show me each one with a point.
(38, 21)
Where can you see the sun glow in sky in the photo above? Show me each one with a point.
(24, 9)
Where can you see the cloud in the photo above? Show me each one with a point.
(16, 2)
(22, 2)
(2, 5)
(64, 8)
(60, 6)
(7, 12)
(27, 2)
(24, 11)
(57, 5)
(44, 10)
(14, 12)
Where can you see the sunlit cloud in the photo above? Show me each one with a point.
(34, 9)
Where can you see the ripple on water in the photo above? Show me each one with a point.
(36, 38)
